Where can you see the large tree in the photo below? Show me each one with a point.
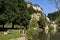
(9, 10)
(15, 12)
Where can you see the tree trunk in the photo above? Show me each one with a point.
(3, 26)
(12, 25)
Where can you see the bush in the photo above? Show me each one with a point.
(33, 23)
(32, 34)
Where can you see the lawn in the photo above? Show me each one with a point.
(14, 34)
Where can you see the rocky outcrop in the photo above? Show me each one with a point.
(54, 25)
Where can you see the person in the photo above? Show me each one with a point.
(21, 31)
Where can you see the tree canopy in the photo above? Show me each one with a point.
(15, 11)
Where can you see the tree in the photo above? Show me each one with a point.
(25, 14)
(15, 12)
(53, 16)
(9, 10)
(57, 5)
(3, 17)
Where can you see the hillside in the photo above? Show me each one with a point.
(55, 17)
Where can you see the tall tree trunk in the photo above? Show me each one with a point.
(12, 25)
(3, 26)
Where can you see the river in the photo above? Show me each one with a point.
(49, 36)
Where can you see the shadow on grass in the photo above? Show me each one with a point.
(5, 29)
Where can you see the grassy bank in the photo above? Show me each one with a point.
(14, 34)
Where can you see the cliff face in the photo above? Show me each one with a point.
(38, 9)
(36, 16)
(55, 19)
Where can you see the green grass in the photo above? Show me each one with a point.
(14, 34)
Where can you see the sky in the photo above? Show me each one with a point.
(47, 6)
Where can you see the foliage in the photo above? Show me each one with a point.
(33, 23)
(58, 21)
(53, 16)
(31, 10)
(32, 34)
(15, 11)
(14, 34)
(42, 22)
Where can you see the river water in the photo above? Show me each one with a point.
(49, 36)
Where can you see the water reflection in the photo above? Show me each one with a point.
(49, 36)
(43, 36)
